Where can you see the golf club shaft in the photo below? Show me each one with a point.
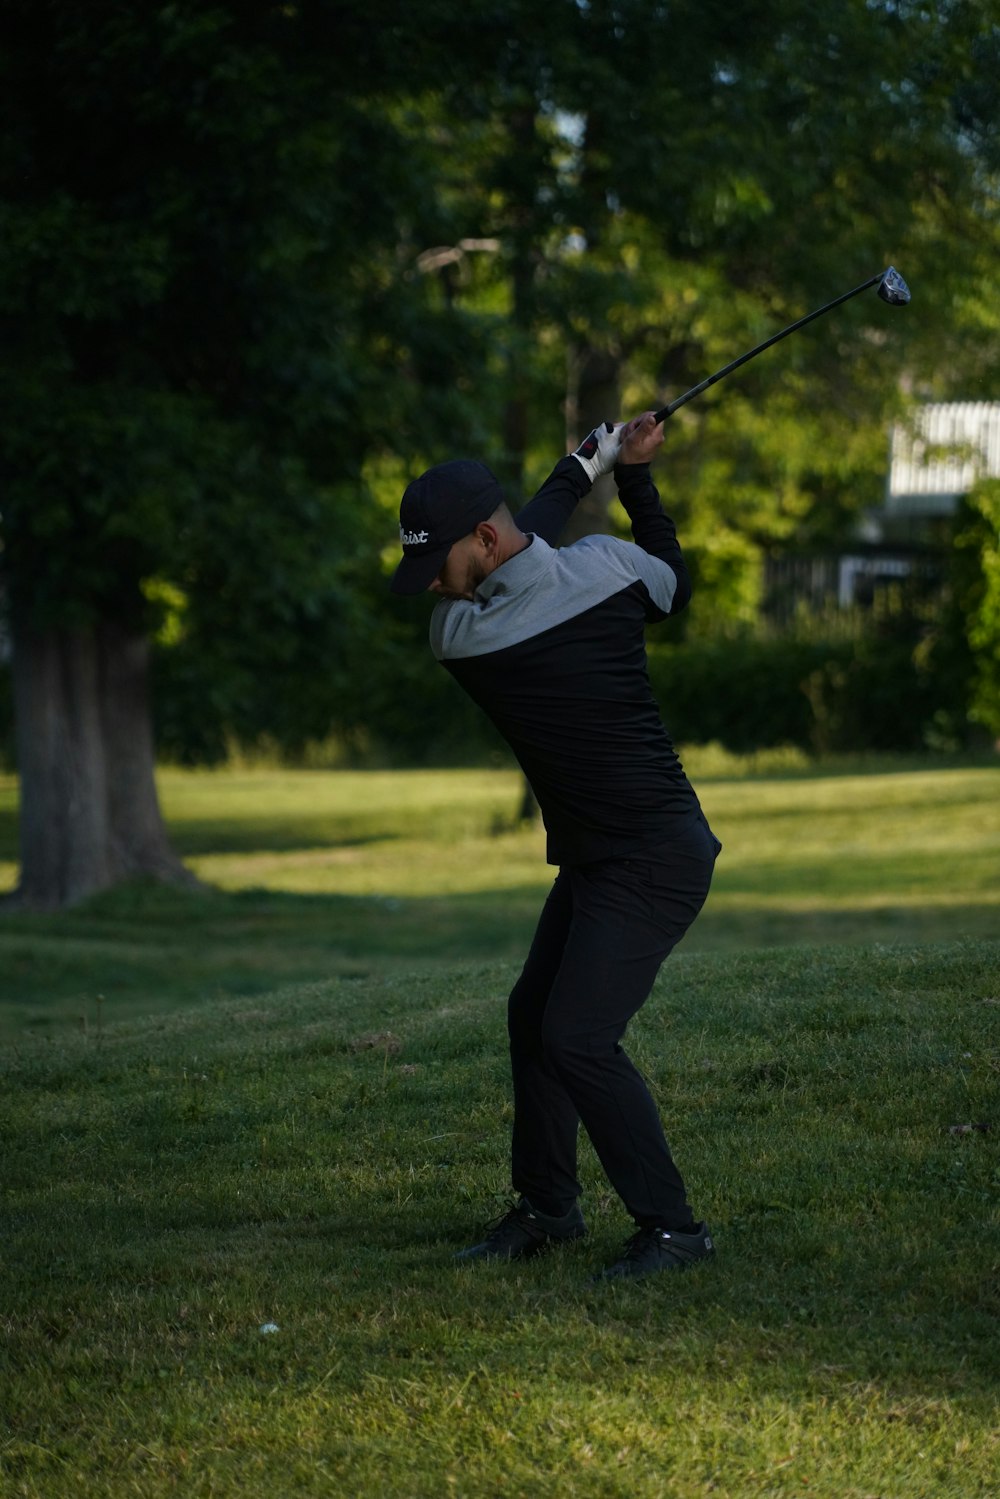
(689, 395)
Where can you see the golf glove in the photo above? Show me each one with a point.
(598, 453)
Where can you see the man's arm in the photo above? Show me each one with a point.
(652, 528)
(569, 481)
(552, 506)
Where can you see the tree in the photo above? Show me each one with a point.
(687, 179)
(223, 331)
(192, 367)
(968, 634)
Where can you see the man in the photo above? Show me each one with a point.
(550, 644)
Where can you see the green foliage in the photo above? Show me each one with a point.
(875, 696)
(650, 222)
(962, 648)
(898, 683)
(877, 688)
(190, 351)
(978, 541)
(742, 692)
(255, 259)
(6, 721)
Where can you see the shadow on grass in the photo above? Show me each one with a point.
(799, 1301)
(284, 832)
(147, 948)
(277, 835)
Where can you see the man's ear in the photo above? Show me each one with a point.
(489, 535)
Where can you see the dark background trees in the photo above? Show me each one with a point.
(259, 263)
(196, 295)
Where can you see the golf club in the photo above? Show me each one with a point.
(891, 288)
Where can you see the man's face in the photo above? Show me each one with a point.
(463, 570)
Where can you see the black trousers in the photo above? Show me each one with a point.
(603, 933)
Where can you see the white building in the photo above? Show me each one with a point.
(935, 457)
(940, 454)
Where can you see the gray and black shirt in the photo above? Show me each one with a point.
(552, 648)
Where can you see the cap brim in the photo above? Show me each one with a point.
(416, 574)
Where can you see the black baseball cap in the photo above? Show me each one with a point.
(438, 509)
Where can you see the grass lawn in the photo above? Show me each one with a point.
(245, 1130)
(317, 874)
(228, 1234)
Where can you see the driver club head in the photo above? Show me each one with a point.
(893, 289)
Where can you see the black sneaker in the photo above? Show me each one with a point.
(653, 1249)
(523, 1232)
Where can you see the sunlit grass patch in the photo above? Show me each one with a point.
(318, 874)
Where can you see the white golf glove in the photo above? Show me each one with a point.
(598, 453)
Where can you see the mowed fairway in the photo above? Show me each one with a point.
(317, 874)
(244, 1131)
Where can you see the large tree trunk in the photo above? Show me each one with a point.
(89, 812)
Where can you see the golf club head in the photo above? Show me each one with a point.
(893, 289)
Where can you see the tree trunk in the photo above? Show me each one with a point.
(89, 812)
(522, 124)
(522, 127)
(592, 396)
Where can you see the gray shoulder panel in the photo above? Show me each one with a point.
(540, 588)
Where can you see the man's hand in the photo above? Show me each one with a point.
(598, 453)
(640, 439)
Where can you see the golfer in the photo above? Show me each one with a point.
(550, 644)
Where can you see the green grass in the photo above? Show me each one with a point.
(312, 1157)
(316, 875)
(285, 1100)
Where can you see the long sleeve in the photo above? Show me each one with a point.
(652, 528)
(547, 513)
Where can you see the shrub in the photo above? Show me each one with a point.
(746, 693)
(874, 691)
